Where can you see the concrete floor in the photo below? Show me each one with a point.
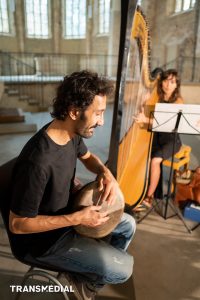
(167, 257)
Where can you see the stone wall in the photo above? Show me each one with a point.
(93, 43)
(191, 93)
(173, 35)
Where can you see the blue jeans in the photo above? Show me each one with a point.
(95, 261)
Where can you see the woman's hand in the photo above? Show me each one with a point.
(141, 118)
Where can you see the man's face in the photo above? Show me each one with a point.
(92, 117)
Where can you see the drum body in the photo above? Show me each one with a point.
(90, 195)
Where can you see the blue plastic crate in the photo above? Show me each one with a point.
(192, 212)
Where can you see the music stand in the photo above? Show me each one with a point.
(174, 118)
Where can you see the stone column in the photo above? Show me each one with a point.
(114, 37)
(56, 24)
(196, 52)
(20, 24)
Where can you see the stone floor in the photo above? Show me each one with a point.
(167, 257)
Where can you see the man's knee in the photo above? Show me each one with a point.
(129, 222)
(120, 270)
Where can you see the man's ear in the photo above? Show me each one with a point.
(74, 113)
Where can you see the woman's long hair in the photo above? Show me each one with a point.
(176, 93)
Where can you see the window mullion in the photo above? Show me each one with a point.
(40, 14)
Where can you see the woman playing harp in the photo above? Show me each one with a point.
(168, 92)
(40, 212)
(130, 147)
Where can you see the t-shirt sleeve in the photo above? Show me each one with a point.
(82, 148)
(29, 182)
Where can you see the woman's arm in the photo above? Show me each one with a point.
(179, 101)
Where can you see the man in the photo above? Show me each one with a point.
(40, 215)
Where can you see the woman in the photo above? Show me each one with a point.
(168, 92)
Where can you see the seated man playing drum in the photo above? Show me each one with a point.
(40, 214)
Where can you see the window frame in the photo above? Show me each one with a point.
(182, 10)
(10, 17)
(99, 16)
(35, 36)
(72, 37)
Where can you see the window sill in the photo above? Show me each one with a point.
(181, 12)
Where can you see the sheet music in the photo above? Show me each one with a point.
(165, 117)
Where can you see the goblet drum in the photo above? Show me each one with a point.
(90, 195)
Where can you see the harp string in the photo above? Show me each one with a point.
(132, 88)
(136, 94)
(137, 91)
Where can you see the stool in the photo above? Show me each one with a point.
(181, 159)
(36, 268)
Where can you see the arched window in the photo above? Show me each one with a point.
(104, 16)
(6, 17)
(75, 19)
(37, 18)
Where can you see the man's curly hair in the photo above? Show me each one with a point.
(78, 90)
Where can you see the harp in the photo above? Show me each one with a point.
(136, 88)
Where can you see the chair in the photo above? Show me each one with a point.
(36, 268)
(181, 158)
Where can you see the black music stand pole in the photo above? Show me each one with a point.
(175, 131)
(169, 193)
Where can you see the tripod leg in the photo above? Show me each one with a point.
(193, 228)
(166, 208)
(179, 214)
(147, 213)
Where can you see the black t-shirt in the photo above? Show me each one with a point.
(42, 179)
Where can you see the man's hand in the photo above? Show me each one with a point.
(108, 185)
(90, 216)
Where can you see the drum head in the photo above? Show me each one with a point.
(90, 195)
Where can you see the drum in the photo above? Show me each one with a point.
(90, 195)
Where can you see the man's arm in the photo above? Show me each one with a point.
(89, 216)
(105, 178)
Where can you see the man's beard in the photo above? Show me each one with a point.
(84, 132)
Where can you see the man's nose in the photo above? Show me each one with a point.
(101, 121)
